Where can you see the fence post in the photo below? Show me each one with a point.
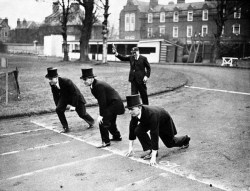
(4, 64)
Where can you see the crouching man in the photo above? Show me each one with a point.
(158, 122)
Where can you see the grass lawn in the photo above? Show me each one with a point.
(36, 96)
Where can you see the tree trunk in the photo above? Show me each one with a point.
(86, 30)
(105, 32)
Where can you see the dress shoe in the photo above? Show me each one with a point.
(149, 156)
(116, 139)
(146, 154)
(90, 127)
(103, 145)
(186, 143)
(65, 130)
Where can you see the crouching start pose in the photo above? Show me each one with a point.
(158, 122)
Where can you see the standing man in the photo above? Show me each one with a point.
(110, 105)
(66, 93)
(158, 122)
(139, 72)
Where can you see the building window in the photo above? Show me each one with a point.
(176, 16)
(222, 30)
(5, 33)
(205, 15)
(150, 17)
(190, 16)
(162, 30)
(150, 32)
(204, 30)
(236, 29)
(189, 31)
(162, 17)
(175, 32)
(130, 22)
(237, 13)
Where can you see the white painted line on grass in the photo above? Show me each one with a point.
(218, 90)
(58, 166)
(168, 168)
(34, 148)
(21, 132)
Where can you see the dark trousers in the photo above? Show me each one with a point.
(142, 89)
(169, 141)
(80, 109)
(109, 125)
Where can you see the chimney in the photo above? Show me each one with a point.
(24, 23)
(18, 25)
(55, 6)
(180, 1)
(6, 20)
(153, 3)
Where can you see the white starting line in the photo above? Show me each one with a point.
(34, 148)
(164, 165)
(22, 132)
(58, 166)
(218, 90)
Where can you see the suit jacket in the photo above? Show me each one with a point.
(138, 68)
(109, 100)
(157, 121)
(68, 92)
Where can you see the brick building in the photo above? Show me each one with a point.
(4, 30)
(181, 22)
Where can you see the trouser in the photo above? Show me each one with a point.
(169, 141)
(142, 89)
(80, 109)
(109, 125)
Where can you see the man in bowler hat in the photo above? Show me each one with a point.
(158, 122)
(139, 72)
(66, 93)
(110, 105)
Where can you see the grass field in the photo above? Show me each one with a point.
(36, 96)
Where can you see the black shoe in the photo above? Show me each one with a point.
(90, 127)
(116, 139)
(65, 130)
(103, 145)
(186, 143)
(149, 156)
(146, 154)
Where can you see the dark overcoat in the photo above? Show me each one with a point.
(108, 99)
(68, 93)
(138, 68)
(156, 120)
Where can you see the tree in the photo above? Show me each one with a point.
(86, 28)
(105, 31)
(63, 19)
(225, 9)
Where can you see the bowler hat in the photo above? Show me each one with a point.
(52, 73)
(133, 101)
(134, 49)
(87, 73)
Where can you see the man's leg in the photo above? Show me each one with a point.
(142, 89)
(113, 128)
(143, 92)
(60, 109)
(134, 89)
(143, 138)
(174, 141)
(81, 111)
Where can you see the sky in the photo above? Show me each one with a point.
(31, 10)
